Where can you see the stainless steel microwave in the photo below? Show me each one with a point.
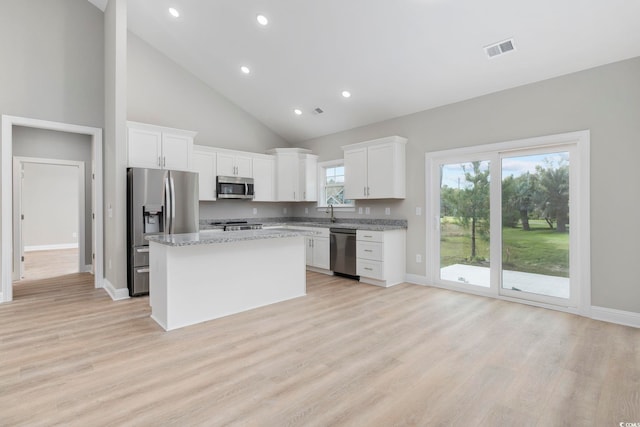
(234, 187)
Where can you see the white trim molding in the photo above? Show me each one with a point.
(6, 194)
(627, 318)
(116, 294)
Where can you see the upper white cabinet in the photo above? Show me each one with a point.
(263, 178)
(158, 147)
(375, 169)
(235, 163)
(204, 162)
(296, 175)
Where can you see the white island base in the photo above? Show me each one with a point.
(195, 283)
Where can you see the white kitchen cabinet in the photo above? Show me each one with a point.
(317, 249)
(234, 163)
(380, 257)
(157, 147)
(263, 178)
(375, 169)
(296, 175)
(204, 162)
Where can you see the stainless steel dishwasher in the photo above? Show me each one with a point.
(343, 251)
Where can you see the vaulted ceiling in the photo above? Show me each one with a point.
(395, 57)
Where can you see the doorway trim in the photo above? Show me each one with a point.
(6, 196)
(18, 230)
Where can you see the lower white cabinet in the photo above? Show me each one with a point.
(380, 257)
(317, 247)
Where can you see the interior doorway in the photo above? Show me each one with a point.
(49, 212)
(7, 202)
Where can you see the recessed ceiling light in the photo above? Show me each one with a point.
(262, 20)
(245, 69)
(174, 12)
(346, 94)
(297, 111)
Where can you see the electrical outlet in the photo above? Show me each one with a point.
(306, 210)
(255, 211)
(360, 211)
(110, 211)
(109, 263)
(74, 234)
(418, 258)
(418, 211)
(387, 211)
(367, 210)
(284, 210)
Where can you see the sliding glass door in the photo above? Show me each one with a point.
(503, 223)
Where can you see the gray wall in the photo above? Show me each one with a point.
(163, 93)
(605, 100)
(53, 64)
(47, 144)
(50, 204)
(115, 143)
(53, 61)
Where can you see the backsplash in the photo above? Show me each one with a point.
(204, 223)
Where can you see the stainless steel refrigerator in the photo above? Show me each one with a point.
(158, 202)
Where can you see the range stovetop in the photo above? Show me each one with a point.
(237, 225)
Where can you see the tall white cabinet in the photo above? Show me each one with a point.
(375, 169)
(204, 162)
(158, 147)
(296, 175)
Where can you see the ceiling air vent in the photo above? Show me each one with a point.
(499, 48)
(318, 110)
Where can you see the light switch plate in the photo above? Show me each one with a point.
(367, 210)
(360, 211)
(306, 210)
(418, 258)
(284, 210)
(418, 210)
(255, 211)
(387, 211)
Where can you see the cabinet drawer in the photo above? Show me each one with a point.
(369, 250)
(370, 236)
(372, 269)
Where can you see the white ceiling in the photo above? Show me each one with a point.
(396, 56)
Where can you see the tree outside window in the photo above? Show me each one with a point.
(332, 185)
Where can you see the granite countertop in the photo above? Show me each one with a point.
(352, 225)
(215, 236)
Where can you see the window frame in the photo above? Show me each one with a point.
(322, 177)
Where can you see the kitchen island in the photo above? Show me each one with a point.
(202, 276)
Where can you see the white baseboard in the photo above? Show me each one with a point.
(51, 247)
(416, 279)
(627, 318)
(116, 294)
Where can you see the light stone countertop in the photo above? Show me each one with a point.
(215, 236)
(356, 226)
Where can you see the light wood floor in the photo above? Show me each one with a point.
(346, 354)
(52, 263)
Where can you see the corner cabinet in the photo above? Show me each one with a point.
(158, 147)
(375, 169)
(381, 257)
(296, 175)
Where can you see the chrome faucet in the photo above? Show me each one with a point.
(330, 209)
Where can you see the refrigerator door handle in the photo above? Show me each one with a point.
(167, 205)
(173, 204)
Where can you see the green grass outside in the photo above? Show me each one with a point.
(540, 250)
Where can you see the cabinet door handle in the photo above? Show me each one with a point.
(164, 161)
(367, 236)
(142, 270)
(364, 191)
(294, 195)
(142, 250)
(368, 191)
(368, 250)
(369, 269)
(159, 161)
